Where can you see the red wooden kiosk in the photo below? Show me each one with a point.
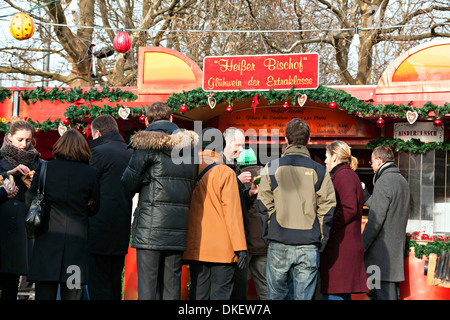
(420, 75)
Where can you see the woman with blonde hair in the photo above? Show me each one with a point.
(60, 253)
(342, 270)
(18, 159)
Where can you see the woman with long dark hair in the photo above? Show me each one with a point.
(60, 253)
(18, 158)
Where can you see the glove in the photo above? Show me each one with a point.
(242, 259)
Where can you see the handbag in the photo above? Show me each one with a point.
(33, 220)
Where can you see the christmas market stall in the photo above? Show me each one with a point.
(408, 110)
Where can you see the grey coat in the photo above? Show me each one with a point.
(384, 233)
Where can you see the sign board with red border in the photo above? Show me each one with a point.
(261, 72)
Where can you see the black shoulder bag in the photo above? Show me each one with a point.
(206, 170)
(33, 220)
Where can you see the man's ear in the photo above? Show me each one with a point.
(171, 118)
(146, 122)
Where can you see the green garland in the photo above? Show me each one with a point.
(413, 145)
(345, 101)
(4, 93)
(198, 97)
(75, 113)
(420, 250)
(75, 94)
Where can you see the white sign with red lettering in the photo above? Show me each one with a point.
(424, 131)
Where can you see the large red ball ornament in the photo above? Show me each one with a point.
(66, 121)
(332, 105)
(142, 119)
(380, 123)
(183, 108)
(285, 106)
(229, 109)
(21, 26)
(437, 123)
(122, 42)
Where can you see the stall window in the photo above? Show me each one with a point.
(428, 178)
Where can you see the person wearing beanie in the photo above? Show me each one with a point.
(257, 249)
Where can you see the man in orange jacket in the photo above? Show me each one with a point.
(216, 242)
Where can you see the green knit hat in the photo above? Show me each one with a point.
(247, 157)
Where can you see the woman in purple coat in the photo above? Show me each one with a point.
(342, 270)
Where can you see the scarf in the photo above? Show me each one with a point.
(382, 168)
(16, 156)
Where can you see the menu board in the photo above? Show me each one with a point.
(322, 122)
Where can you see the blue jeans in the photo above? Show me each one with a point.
(291, 271)
(337, 296)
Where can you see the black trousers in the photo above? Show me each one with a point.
(9, 285)
(240, 287)
(159, 274)
(105, 276)
(211, 281)
(388, 291)
(48, 290)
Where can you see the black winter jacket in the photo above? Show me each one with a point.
(164, 184)
(109, 229)
(14, 247)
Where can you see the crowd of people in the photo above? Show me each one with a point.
(292, 225)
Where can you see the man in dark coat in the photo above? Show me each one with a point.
(384, 233)
(109, 229)
(235, 142)
(164, 172)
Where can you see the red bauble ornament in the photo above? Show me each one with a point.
(332, 105)
(142, 119)
(36, 130)
(229, 109)
(66, 121)
(122, 42)
(437, 123)
(79, 128)
(183, 108)
(380, 123)
(285, 106)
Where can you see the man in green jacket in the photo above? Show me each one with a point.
(297, 203)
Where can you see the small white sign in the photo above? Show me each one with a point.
(424, 131)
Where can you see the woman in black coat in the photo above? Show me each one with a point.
(17, 158)
(60, 253)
